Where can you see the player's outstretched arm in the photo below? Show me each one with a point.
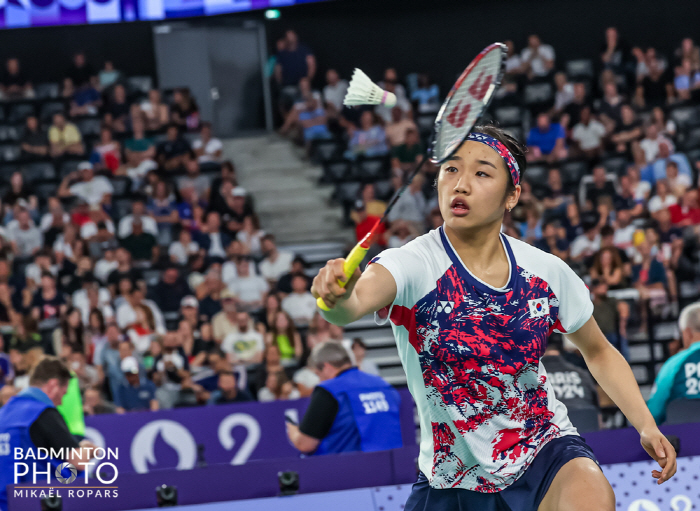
(365, 292)
(614, 375)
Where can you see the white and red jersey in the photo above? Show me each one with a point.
(472, 353)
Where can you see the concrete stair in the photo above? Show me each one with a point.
(288, 199)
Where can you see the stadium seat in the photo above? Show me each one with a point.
(9, 133)
(141, 84)
(121, 207)
(325, 150)
(89, 126)
(50, 108)
(38, 171)
(67, 167)
(121, 185)
(18, 112)
(44, 189)
(383, 190)
(347, 193)
(572, 171)
(509, 115)
(616, 165)
(538, 93)
(579, 68)
(684, 116)
(371, 169)
(584, 419)
(337, 171)
(425, 123)
(536, 175)
(10, 152)
(6, 171)
(47, 90)
(516, 132)
(691, 140)
(681, 411)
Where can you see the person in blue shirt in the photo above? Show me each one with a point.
(135, 393)
(546, 140)
(30, 421)
(679, 377)
(349, 410)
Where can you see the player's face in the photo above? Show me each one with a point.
(472, 188)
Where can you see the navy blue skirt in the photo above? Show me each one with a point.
(525, 494)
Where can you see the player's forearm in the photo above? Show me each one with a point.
(615, 376)
(344, 312)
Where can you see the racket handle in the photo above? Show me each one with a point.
(352, 262)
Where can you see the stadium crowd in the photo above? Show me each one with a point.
(129, 249)
(613, 150)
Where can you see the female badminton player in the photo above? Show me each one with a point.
(471, 310)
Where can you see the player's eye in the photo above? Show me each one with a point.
(451, 169)
(481, 173)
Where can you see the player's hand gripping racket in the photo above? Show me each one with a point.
(469, 98)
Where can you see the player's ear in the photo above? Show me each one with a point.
(513, 197)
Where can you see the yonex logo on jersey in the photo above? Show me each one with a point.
(539, 307)
(445, 307)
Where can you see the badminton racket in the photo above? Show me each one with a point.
(468, 99)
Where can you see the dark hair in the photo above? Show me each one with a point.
(48, 369)
(516, 148)
(97, 312)
(357, 341)
(607, 230)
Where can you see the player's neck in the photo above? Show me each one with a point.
(482, 252)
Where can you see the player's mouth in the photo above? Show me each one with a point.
(459, 207)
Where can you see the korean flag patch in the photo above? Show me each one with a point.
(539, 307)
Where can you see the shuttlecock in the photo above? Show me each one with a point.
(363, 91)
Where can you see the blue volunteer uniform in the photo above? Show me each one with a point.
(16, 417)
(367, 417)
(679, 378)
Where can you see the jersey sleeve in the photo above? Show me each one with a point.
(407, 269)
(575, 305)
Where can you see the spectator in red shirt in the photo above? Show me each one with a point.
(365, 222)
(687, 212)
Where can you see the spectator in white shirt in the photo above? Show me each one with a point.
(277, 262)
(651, 142)
(181, 251)
(359, 352)
(99, 228)
(588, 135)
(25, 237)
(586, 244)
(108, 263)
(677, 183)
(663, 199)
(206, 147)
(138, 210)
(244, 345)
(391, 84)
(81, 298)
(90, 188)
(249, 289)
(334, 92)
(300, 303)
(251, 235)
(411, 206)
(565, 92)
(537, 58)
(55, 217)
(126, 312)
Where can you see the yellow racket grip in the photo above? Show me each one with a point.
(352, 262)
